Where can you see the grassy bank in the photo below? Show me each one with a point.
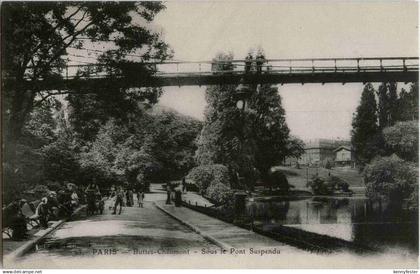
(298, 177)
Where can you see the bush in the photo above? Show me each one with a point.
(337, 183)
(327, 186)
(391, 178)
(278, 180)
(219, 192)
(205, 175)
(319, 186)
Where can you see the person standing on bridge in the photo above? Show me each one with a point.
(260, 59)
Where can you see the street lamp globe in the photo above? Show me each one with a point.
(242, 92)
(240, 104)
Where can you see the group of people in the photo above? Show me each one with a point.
(259, 61)
(54, 205)
(171, 188)
(57, 204)
(124, 196)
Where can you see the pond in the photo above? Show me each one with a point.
(356, 220)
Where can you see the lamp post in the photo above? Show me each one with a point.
(242, 93)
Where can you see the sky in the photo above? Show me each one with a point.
(199, 30)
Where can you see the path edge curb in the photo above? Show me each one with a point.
(27, 246)
(196, 229)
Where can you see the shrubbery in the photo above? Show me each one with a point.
(402, 139)
(219, 192)
(328, 185)
(392, 178)
(278, 180)
(204, 175)
(212, 181)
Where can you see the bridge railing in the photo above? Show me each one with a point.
(274, 66)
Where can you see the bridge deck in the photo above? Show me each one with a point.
(275, 71)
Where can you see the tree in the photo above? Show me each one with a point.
(270, 132)
(391, 178)
(60, 162)
(174, 143)
(295, 147)
(250, 141)
(222, 138)
(387, 104)
(39, 130)
(402, 139)
(408, 103)
(38, 35)
(382, 106)
(364, 135)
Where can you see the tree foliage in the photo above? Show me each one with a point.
(365, 129)
(210, 176)
(247, 142)
(153, 148)
(387, 104)
(403, 139)
(391, 178)
(295, 147)
(38, 36)
(270, 133)
(408, 103)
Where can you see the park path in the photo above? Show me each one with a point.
(156, 229)
(147, 231)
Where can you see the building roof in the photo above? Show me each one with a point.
(342, 147)
(329, 144)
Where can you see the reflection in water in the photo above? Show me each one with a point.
(353, 219)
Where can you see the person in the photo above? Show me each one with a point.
(128, 197)
(42, 212)
(184, 185)
(168, 193)
(259, 61)
(64, 203)
(248, 62)
(131, 196)
(99, 203)
(119, 196)
(13, 214)
(52, 205)
(91, 192)
(140, 197)
(74, 199)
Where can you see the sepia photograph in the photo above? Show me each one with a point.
(210, 134)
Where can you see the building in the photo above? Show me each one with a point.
(318, 151)
(344, 156)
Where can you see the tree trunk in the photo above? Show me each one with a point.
(265, 177)
(17, 104)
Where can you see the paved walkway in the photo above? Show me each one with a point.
(195, 199)
(228, 235)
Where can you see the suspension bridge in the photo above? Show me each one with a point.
(273, 71)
